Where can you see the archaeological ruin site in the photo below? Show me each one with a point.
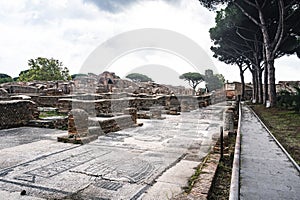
(102, 137)
(93, 139)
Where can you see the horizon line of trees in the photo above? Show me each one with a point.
(43, 69)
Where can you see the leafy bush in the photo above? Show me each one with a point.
(289, 100)
(297, 100)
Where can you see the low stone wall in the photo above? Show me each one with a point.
(98, 107)
(22, 89)
(53, 101)
(49, 101)
(17, 113)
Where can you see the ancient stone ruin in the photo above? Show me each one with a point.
(92, 105)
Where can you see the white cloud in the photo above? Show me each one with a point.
(69, 30)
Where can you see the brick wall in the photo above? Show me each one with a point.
(17, 113)
(22, 89)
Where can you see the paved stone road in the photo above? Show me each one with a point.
(265, 171)
(149, 162)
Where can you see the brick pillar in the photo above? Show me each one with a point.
(132, 112)
(78, 123)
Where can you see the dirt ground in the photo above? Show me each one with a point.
(221, 184)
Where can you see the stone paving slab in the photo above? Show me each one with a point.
(265, 171)
(16, 196)
(162, 190)
(172, 181)
(33, 151)
(121, 165)
(24, 135)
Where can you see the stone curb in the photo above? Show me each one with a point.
(235, 176)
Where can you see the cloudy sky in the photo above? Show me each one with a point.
(70, 30)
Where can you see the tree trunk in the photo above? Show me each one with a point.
(256, 87)
(271, 46)
(242, 81)
(266, 84)
(271, 73)
(272, 85)
(254, 90)
(266, 78)
(259, 86)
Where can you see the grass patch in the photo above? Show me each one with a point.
(284, 125)
(50, 114)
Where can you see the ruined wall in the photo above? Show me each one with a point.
(48, 101)
(17, 113)
(53, 101)
(218, 96)
(104, 106)
(22, 89)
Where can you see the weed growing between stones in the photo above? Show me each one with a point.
(194, 178)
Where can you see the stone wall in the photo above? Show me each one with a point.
(22, 89)
(48, 101)
(17, 113)
(218, 96)
(53, 101)
(104, 106)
